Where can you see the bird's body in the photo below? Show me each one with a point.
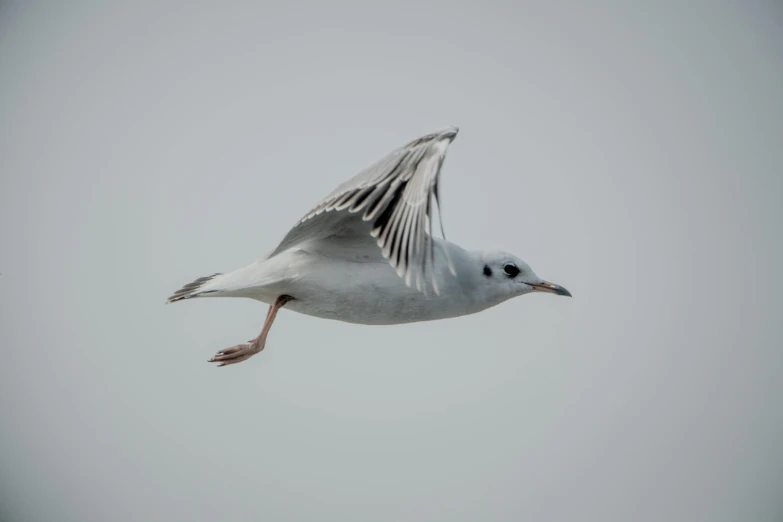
(367, 292)
(364, 255)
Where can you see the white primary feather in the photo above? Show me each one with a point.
(395, 195)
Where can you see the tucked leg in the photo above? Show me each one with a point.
(245, 351)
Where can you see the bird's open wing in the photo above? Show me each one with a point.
(395, 195)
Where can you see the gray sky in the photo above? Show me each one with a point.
(632, 154)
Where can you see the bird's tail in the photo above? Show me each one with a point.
(197, 288)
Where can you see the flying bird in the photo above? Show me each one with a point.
(366, 254)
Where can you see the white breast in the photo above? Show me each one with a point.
(371, 292)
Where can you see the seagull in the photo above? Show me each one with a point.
(366, 254)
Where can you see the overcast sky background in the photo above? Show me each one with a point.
(632, 153)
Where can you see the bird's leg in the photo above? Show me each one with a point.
(245, 351)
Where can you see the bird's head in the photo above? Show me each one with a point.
(506, 276)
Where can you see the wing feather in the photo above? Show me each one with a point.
(395, 194)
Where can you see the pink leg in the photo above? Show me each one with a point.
(241, 352)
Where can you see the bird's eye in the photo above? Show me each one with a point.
(511, 269)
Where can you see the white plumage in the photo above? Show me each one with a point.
(366, 254)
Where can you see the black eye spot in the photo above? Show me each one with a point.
(487, 271)
(511, 269)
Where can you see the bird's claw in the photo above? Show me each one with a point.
(235, 354)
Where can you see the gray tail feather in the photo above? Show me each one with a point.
(191, 289)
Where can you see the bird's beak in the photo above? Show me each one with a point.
(551, 288)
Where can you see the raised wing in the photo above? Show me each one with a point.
(395, 195)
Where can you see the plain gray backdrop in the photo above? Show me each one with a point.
(630, 152)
